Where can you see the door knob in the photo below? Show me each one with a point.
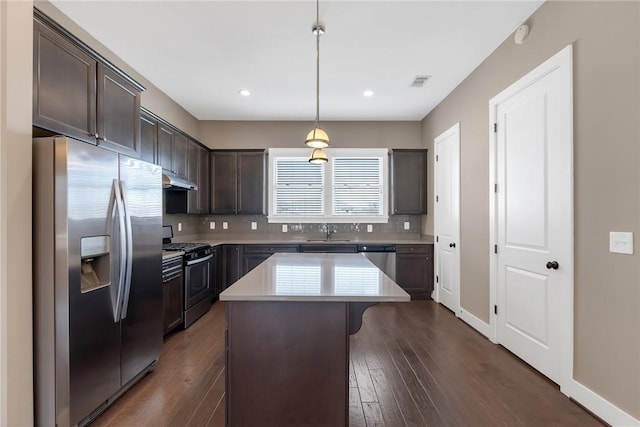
(452, 245)
(553, 265)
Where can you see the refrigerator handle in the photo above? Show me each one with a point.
(119, 207)
(129, 259)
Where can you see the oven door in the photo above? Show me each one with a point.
(197, 283)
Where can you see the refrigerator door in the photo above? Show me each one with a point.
(90, 251)
(141, 312)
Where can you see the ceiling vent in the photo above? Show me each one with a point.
(419, 81)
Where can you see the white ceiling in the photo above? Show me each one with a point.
(201, 53)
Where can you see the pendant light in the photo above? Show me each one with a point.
(317, 138)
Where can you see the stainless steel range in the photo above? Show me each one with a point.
(198, 268)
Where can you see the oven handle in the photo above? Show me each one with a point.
(199, 260)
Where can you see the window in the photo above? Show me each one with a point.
(352, 187)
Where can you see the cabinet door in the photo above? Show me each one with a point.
(203, 179)
(223, 182)
(118, 113)
(230, 265)
(180, 154)
(193, 164)
(251, 183)
(165, 146)
(414, 273)
(409, 182)
(172, 297)
(64, 86)
(251, 261)
(148, 138)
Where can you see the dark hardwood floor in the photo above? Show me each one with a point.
(412, 364)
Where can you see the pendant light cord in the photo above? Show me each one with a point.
(317, 62)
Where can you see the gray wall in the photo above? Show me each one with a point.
(231, 135)
(605, 36)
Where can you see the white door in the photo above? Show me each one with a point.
(534, 216)
(447, 218)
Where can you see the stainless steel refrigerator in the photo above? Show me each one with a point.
(97, 277)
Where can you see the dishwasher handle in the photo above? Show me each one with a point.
(376, 248)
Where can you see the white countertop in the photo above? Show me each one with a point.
(315, 277)
(171, 254)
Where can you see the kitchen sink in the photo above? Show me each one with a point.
(329, 240)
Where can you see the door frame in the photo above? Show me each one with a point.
(563, 61)
(453, 130)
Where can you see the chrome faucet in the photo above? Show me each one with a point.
(328, 231)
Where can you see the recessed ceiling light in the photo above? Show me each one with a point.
(367, 93)
(244, 92)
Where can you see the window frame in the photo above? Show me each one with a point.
(328, 217)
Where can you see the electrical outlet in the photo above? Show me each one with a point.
(369, 228)
(179, 226)
(285, 228)
(225, 225)
(212, 225)
(254, 225)
(621, 242)
(407, 226)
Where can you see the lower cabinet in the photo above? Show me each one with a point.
(253, 255)
(172, 301)
(230, 267)
(329, 248)
(414, 270)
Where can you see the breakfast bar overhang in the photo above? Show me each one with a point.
(288, 327)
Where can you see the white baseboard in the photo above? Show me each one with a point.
(475, 323)
(604, 409)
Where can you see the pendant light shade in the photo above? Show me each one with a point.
(317, 138)
(318, 156)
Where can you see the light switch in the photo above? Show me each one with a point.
(225, 225)
(285, 228)
(369, 228)
(621, 242)
(254, 225)
(407, 226)
(179, 226)
(212, 225)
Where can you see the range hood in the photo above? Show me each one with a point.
(172, 181)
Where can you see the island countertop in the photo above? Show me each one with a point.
(315, 277)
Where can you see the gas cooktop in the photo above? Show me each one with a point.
(186, 247)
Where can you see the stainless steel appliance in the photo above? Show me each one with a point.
(382, 256)
(198, 276)
(97, 277)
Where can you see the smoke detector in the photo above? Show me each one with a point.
(419, 81)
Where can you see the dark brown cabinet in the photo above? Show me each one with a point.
(414, 270)
(148, 138)
(118, 113)
(254, 255)
(238, 183)
(179, 154)
(230, 266)
(64, 85)
(165, 146)
(408, 170)
(198, 172)
(173, 301)
(75, 94)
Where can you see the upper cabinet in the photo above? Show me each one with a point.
(408, 182)
(238, 182)
(76, 94)
(198, 166)
(148, 138)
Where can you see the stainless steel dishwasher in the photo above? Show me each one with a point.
(382, 256)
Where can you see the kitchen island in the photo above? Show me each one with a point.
(288, 327)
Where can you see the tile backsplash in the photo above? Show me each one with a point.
(240, 224)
